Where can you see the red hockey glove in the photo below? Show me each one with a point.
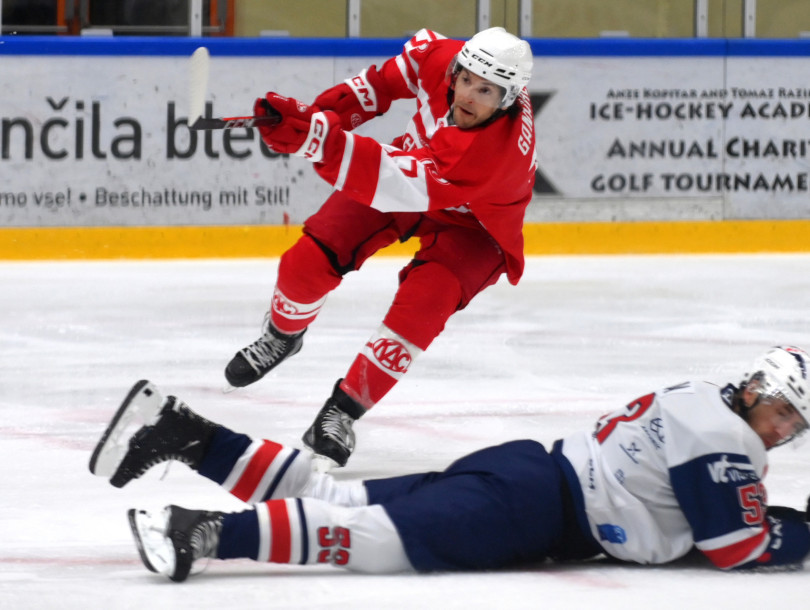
(301, 131)
(290, 133)
(358, 99)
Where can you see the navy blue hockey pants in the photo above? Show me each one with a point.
(497, 507)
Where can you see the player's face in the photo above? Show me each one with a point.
(476, 99)
(775, 421)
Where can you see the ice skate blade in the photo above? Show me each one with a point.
(154, 547)
(140, 407)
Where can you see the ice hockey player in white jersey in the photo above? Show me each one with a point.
(685, 465)
(676, 469)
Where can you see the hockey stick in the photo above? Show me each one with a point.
(198, 86)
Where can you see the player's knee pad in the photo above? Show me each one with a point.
(428, 295)
(305, 273)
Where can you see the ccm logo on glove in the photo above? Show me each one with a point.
(363, 91)
(312, 149)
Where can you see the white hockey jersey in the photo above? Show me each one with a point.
(673, 469)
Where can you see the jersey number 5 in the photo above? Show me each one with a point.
(752, 497)
(335, 544)
(634, 410)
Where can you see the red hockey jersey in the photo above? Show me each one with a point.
(462, 176)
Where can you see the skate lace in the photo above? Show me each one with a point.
(205, 538)
(335, 425)
(264, 352)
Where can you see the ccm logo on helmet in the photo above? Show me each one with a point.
(481, 60)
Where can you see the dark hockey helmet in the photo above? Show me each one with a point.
(782, 373)
(498, 56)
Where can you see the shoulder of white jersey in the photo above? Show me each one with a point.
(698, 421)
(692, 390)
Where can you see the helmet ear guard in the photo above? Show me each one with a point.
(499, 57)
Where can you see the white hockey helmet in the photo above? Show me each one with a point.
(782, 372)
(499, 57)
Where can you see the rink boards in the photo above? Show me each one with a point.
(710, 154)
(746, 236)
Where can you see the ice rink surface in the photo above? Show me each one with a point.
(578, 337)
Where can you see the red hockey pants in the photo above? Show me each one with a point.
(453, 264)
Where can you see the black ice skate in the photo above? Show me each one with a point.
(331, 435)
(171, 542)
(263, 355)
(146, 430)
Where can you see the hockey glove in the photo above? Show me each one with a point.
(357, 99)
(301, 131)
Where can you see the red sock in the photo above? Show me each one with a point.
(382, 363)
(305, 277)
(427, 297)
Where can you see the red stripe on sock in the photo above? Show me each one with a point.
(280, 528)
(737, 553)
(290, 326)
(255, 470)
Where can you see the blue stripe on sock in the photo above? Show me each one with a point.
(304, 533)
(279, 475)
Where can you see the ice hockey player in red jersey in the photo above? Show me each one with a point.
(676, 469)
(459, 179)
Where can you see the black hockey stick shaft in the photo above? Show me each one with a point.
(272, 118)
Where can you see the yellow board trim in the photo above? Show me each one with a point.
(694, 237)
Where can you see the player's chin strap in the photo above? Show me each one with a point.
(733, 396)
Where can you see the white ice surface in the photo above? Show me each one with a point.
(578, 337)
